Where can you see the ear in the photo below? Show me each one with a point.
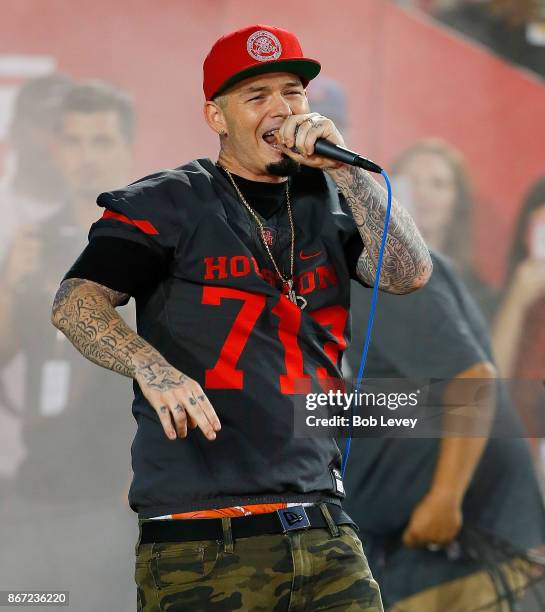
(215, 118)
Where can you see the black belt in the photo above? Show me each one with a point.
(280, 521)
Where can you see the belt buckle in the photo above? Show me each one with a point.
(293, 518)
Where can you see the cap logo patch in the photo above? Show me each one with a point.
(264, 46)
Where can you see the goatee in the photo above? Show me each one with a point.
(285, 167)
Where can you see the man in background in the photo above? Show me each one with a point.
(70, 485)
(32, 188)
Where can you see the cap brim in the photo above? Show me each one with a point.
(306, 68)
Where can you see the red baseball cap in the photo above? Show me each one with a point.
(254, 50)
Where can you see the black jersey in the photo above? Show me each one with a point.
(220, 315)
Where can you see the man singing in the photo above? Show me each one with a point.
(240, 270)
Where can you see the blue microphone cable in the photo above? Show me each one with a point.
(371, 318)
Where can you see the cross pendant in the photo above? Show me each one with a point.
(293, 297)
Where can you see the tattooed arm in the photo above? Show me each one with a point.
(406, 263)
(85, 312)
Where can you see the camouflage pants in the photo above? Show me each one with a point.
(302, 570)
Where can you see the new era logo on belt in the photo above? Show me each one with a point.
(293, 518)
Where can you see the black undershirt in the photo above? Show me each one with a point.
(132, 268)
(265, 198)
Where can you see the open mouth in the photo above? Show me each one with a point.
(270, 138)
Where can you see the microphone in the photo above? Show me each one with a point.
(328, 149)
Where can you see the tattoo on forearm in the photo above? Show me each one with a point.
(85, 312)
(406, 260)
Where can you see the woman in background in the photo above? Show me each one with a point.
(432, 176)
(519, 328)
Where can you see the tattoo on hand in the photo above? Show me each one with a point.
(156, 372)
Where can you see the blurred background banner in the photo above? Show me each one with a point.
(406, 74)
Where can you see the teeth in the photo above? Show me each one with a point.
(269, 133)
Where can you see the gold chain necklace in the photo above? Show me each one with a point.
(292, 296)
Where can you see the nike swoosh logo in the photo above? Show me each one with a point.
(303, 256)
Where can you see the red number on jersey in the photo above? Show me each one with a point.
(224, 375)
(334, 316)
(294, 380)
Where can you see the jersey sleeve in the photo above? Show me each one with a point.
(131, 245)
(119, 264)
(353, 248)
(144, 212)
